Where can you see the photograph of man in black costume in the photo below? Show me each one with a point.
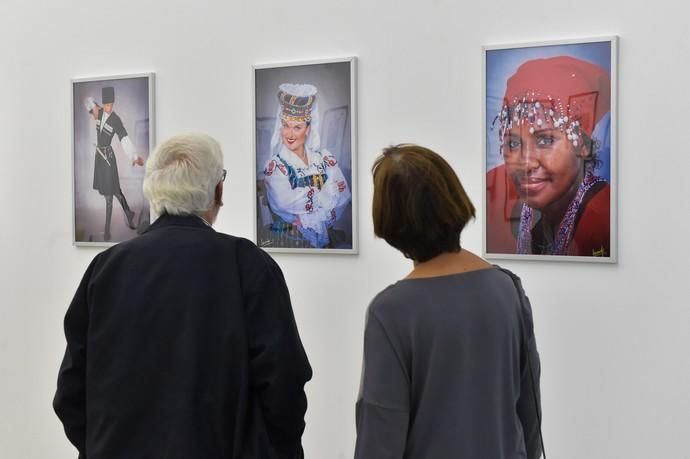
(105, 175)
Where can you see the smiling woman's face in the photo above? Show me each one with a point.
(545, 166)
(294, 134)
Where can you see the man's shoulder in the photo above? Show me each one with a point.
(164, 235)
(224, 240)
(213, 244)
(246, 249)
(114, 118)
(237, 241)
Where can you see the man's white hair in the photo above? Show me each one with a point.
(182, 174)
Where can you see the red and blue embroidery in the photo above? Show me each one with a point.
(330, 161)
(270, 167)
(309, 206)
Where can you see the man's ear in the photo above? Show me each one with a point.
(218, 196)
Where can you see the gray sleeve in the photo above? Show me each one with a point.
(529, 403)
(383, 407)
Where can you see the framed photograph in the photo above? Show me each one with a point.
(112, 135)
(304, 156)
(550, 128)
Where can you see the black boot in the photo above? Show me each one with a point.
(108, 215)
(128, 212)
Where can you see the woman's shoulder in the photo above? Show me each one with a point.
(388, 300)
(601, 198)
(324, 156)
(410, 291)
(597, 208)
(436, 302)
(275, 165)
(593, 232)
(508, 274)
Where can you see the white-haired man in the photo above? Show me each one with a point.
(193, 350)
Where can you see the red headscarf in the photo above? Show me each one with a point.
(577, 89)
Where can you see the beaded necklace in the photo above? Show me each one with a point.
(566, 229)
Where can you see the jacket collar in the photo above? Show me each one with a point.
(166, 220)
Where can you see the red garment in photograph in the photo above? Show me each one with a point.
(592, 234)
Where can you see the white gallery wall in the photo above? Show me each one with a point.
(614, 339)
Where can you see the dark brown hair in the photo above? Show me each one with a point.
(420, 206)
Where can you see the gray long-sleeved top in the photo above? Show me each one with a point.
(445, 371)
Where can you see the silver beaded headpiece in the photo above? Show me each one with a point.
(538, 112)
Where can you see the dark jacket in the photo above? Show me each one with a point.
(182, 343)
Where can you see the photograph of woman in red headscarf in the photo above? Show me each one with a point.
(548, 151)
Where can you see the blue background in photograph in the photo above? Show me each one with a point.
(501, 64)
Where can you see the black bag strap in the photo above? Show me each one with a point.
(521, 296)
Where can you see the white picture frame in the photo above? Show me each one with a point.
(507, 189)
(335, 84)
(134, 107)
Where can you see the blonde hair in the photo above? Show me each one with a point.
(182, 174)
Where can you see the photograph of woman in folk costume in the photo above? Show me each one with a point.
(549, 191)
(306, 195)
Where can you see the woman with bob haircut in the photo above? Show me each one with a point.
(193, 350)
(450, 361)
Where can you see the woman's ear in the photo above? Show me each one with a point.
(584, 150)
